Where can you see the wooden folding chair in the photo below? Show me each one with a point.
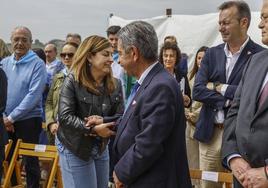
(33, 150)
(5, 162)
(221, 177)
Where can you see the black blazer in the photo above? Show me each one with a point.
(149, 147)
(3, 99)
(213, 70)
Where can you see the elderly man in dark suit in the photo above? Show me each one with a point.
(245, 138)
(217, 81)
(149, 146)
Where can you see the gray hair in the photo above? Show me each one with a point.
(23, 28)
(141, 35)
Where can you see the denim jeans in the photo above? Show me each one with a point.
(77, 173)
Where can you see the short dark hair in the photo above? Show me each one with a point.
(170, 46)
(242, 7)
(41, 54)
(171, 37)
(112, 30)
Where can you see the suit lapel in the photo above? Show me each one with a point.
(222, 64)
(243, 58)
(262, 71)
(129, 111)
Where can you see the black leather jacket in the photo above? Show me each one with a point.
(75, 104)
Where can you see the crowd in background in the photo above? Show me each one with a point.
(123, 113)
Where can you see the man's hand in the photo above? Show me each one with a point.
(239, 167)
(218, 88)
(104, 130)
(9, 125)
(210, 86)
(93, 120)
(53, 128)
(255, 178)
(117, 182)
(186, 100)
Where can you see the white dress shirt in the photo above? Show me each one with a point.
(231, 60)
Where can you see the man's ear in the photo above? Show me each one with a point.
(244, 22)
(135, 53)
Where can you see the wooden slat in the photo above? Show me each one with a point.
(223, 177)
(27, 149)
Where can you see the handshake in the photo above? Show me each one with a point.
(95, 126)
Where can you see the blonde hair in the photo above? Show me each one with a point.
(81, 66)
(4, 52)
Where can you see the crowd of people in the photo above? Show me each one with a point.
(125, 114)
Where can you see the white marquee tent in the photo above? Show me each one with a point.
(192, 31)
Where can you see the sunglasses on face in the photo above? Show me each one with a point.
(63, 55)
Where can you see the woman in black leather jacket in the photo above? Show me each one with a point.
(88, 92)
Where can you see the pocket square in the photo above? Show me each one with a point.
(133, 103)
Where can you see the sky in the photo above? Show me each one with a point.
(53, 19)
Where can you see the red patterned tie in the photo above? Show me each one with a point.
(264, 94)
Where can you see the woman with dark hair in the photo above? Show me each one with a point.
(88, 92)
(170, 56)
(197, 62)
(192, 115)
(67, 53)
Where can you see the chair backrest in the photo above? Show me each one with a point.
(8, 147)
(34, 150)
(221, 177)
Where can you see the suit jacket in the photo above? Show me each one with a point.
(149, 147)
(3, 99)
(246, 130)
(213, 70)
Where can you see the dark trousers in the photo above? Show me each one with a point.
(28, 130)
(111, 165)
(2, 158)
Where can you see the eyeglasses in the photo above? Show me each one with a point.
(63, 55)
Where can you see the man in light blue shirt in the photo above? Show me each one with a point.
(26, 74)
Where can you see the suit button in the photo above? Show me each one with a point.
(252, 130)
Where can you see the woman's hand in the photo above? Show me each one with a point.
(93, 120)
(186, 100)
(104, 130)
(53, 128)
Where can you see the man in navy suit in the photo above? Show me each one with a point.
(149, 147)
(217, 81)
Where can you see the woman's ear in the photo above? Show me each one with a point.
(89, 57)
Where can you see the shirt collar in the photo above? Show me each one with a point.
(146, 72)
(229, 54)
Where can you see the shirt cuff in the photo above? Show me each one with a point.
(223, 89)
(231, 157)
(10, 119)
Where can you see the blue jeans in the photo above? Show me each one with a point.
(77, 173)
